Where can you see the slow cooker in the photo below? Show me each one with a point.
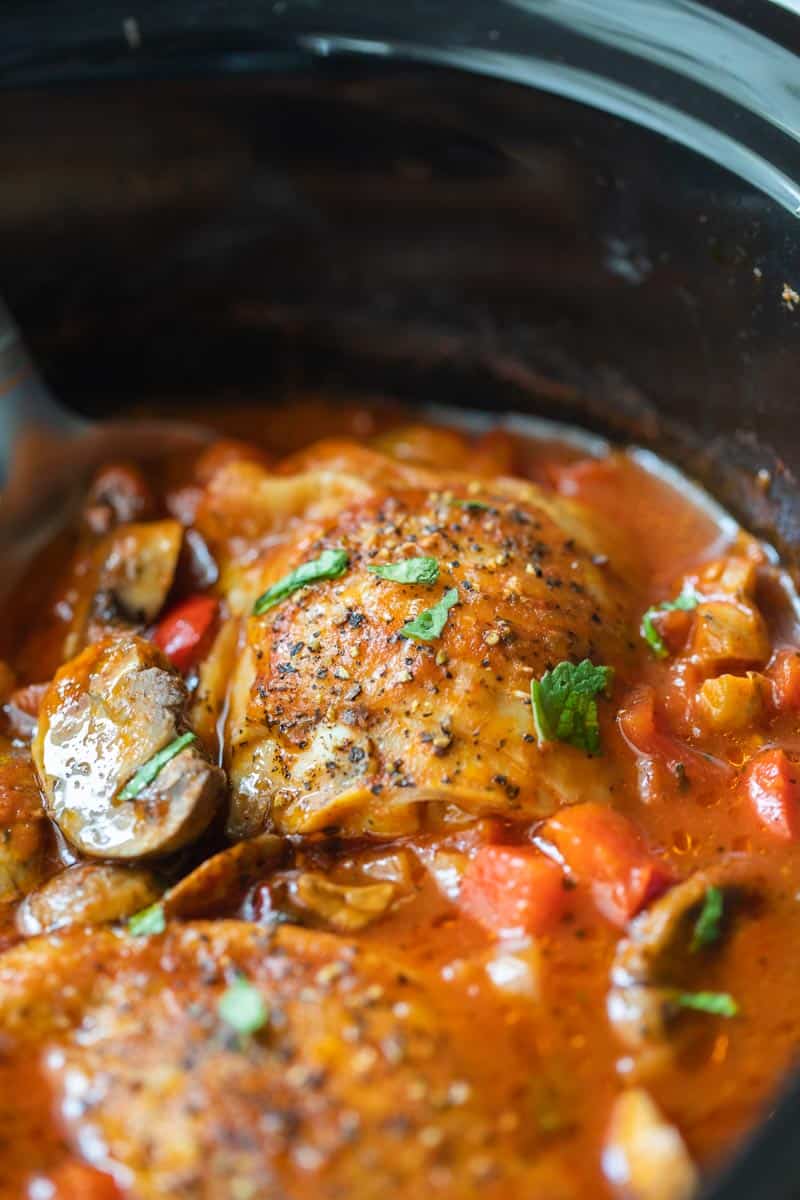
(579, 209)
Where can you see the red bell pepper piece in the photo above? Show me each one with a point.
(773, 785)
(784, 672)
(185, 632)
(602, 848)
(512, 889)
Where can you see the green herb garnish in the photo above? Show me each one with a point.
(429, 624)
(472, 505)
(409, 570)
(707, 925)
(564, 704)
(242, 1007)
(147, 773)
(719, 1004)
(330, 565)
(685, 603)
(148, 921)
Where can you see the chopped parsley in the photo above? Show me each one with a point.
(242, 1007)
(408, 570)
(147, 773)
(148, 921)
(685, 603)
(430, 623)
(719, 1004)
(330, 565)
(707, 925)
(564, 704)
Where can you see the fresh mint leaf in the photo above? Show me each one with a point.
(564, 704)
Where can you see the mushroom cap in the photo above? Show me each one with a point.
(106, 714)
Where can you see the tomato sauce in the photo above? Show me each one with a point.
(560, 922)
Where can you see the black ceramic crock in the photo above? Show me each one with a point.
(586, 209)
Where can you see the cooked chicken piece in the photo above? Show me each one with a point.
(656, 957)
(87, 894)
(645, 1157)
(245, 510)
(372, 467)
(214, 672)
(339, 721)
(354, 1077)
(224, 451)
(23, 826)
(426, 446)
(105, 716)
(437, 447)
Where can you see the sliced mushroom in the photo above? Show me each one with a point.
(106, 715)
(654, 957)
(645, 1157)
(119, 492)
(23, 827)
(121, 581)
(87, 894)
(344, 906)
(136, 566)
(220, 882)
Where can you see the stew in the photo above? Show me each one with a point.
(407, 812)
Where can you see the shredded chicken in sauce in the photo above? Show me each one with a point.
(401, 813)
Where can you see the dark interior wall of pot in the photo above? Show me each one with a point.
(395, 228)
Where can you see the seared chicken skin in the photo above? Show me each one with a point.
(359, 1081)
(340, 721)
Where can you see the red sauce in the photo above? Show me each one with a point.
(679, 732)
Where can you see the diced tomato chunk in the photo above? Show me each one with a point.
(773, 785)
(673, 626)
(74, 1180)
(784, 672)
(637, 723)
(602, 848)
(184, 633)
(685, 766)
(512, 889)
